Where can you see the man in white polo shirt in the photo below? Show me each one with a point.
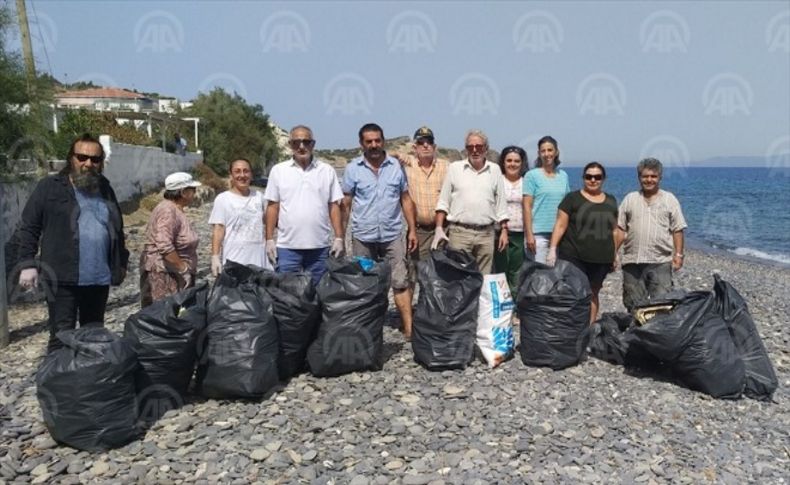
(304, 196)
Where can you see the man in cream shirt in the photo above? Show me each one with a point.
(472, 200)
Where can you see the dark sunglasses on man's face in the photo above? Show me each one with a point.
(424, 142)
(593, 176)
(477, 148)
(297, 142)
(93, 158)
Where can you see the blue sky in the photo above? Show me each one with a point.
(612, 81)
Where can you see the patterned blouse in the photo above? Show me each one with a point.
(168, 230)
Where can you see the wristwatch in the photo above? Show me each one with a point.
(680, 255)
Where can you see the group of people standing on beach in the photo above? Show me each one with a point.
(500, 213)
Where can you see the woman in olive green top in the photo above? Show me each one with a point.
(585, 229)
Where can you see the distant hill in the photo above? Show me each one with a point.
(401, 144)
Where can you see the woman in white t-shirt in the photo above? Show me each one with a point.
(237, 220)
(513, 163)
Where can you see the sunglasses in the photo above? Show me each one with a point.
(476, 148)
(297, 142)
(93, 158)
(424, 142)
(591, 176)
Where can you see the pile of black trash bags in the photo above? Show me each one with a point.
(239, 338)
(254, 329)
(705, 340)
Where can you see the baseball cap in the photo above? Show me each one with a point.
(180, 180)
(423, 132)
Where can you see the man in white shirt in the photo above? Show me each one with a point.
(237, 220)
(303, 196)
(472, 200)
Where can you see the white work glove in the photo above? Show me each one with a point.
(216, 265)
(271, 251)
(186, 277)
(551, 258)
(438, 236)
(338, 248)
(28, 278)
(189, 279)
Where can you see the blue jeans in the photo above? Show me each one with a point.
(295, 260)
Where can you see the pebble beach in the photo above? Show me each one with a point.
(591, 423)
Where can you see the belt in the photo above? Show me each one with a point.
(476, 227)
(426, 227)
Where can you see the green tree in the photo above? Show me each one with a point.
(76, 122)
(23, 118)
(230, 129)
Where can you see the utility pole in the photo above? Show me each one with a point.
(4, 332)
(27, 48)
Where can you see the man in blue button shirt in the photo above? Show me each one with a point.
(376, 195)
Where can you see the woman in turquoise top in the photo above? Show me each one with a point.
(544, 188)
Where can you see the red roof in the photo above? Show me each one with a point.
(101, 93)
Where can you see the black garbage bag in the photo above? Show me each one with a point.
(297, 313)
(239, 347)
(761, 381)
(695, 342)
(445, 318)
(165, 336)
(353, 295)
(554, 308)
(606, 342)
(86, 390)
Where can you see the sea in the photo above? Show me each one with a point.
(744, 212)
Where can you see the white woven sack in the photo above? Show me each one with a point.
(494, 328)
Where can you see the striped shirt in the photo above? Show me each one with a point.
(547, 193)
(649, 227)
(425, 184)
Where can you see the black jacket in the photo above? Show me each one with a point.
(51, 215)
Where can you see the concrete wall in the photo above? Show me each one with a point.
(132, 171)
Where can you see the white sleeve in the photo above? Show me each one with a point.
(218, 211)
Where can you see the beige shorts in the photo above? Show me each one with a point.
(393, 252)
